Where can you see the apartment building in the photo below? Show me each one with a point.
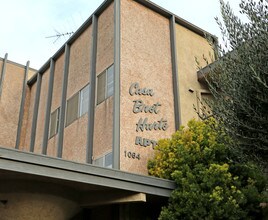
(76, 135)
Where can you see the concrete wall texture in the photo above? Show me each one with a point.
(10, 99)
(102, 138)
(146, 88)
(146, 60)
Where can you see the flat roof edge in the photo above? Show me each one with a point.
(34, 164)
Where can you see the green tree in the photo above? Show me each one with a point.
(239, 81)
(210, 184)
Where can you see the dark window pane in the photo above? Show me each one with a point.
(101, 87)
(72, 109)
(54, 121)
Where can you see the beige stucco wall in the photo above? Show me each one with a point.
(105, 58)
(31, 94)
(105, 44)
(25, 118)
(10, 103)
(56, 101)
(25, 206)
(41, 112)
(146, 59)
(28, 95)
(29, 200)
(189, 46)
(75, 135)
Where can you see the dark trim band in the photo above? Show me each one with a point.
(177, 108)
(92, 91)
(116, 110)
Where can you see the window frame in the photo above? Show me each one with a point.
(106, 95)
(79, 106)
(57, 110)
(106, 91)
(80, 99)
(66, 113)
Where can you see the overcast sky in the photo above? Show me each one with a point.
(25, 25)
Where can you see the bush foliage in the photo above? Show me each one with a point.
(239, 83)
(210, 184)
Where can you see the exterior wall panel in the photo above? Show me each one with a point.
(105, 58)
(75, 137)
(145, 59)
(32, 90)
(56, 101)
(23, 141)
(41, 113)
(10, 104)
(189, 46)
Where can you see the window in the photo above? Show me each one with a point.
(54, 123)
(84, 99)
(105, 161)
(105, 84)
(77, 105)
(72, 109)
(101, 87)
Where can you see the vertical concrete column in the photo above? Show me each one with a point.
(175, 72)
(63, 100)
(35, 111)
(22, 103)
(48, 106)
(116, 112)
(3, 72)
(91, 103)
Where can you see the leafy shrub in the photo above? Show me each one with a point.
(211, 184)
